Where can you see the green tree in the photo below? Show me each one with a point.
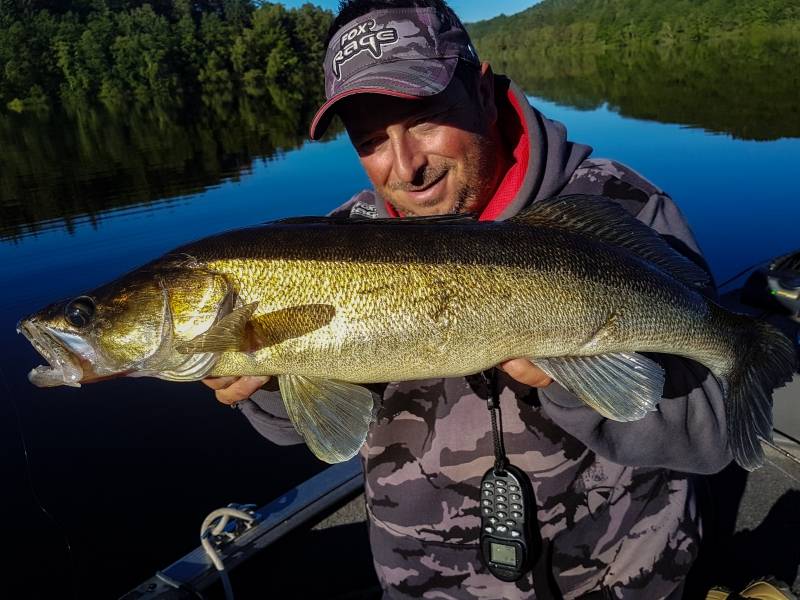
(123, 51)
(142, 54)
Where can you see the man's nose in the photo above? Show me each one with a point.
(407, 157)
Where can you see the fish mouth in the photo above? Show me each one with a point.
(63, 367)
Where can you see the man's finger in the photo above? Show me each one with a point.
(524, 371)
(241, 389)
(218, 383)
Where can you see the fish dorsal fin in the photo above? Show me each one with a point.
(240, 331)
(606, 220)
(332, 416)
(620, 386)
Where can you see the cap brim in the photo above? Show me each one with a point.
(417, 79)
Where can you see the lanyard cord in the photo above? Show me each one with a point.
(493, 404)
(544, 584)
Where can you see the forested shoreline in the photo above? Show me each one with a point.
(119, 52)
(216, 52)
(580, 23)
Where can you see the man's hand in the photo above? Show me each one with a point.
(230, 390)
(526, 372)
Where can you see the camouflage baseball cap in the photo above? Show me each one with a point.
(403, 52)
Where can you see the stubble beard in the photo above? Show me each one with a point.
(478, 181)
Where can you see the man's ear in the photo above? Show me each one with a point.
(486, 93)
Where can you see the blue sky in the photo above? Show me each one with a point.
(468, 10)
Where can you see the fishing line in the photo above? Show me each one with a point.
(750, 268)
(739, 274)
(790, 438)
(29, 474)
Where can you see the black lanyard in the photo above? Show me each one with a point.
(544, 584)
(493, 404)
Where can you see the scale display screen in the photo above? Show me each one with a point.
(503, 555)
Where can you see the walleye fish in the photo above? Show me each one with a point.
(325, 304)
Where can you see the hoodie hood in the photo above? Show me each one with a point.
(552, 159)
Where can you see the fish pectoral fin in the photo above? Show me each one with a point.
(240, 331)
(288, 323)
(230, 334)
(621, 387)
(332, 416)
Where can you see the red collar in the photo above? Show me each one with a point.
(514, 131)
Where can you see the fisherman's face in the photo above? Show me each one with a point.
(434, 155)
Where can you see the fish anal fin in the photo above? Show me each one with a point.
(621, 386)
(332, 416)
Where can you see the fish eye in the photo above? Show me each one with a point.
(80, 311)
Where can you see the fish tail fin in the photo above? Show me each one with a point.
(766, 360)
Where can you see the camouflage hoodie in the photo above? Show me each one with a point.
(615, 499)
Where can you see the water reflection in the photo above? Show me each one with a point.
(749, 91)
(60, 169)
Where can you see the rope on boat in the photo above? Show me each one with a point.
(212, 533)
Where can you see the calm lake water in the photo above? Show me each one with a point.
(129, 468)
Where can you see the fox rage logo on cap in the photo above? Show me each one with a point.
(360, 38)
(402, 52)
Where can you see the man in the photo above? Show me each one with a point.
(438, 133)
